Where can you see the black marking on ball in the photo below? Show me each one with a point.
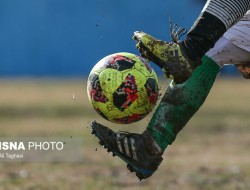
(96, 92)
(130, 119)
(120, 62)
(152, 90)
(126, 93)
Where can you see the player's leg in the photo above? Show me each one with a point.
(178, 60)
(181, 102)
(234, 47)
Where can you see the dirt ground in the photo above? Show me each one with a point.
(212, 151)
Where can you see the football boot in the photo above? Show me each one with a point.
(139, 151)
(169, 56)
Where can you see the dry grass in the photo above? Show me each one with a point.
(210, 153)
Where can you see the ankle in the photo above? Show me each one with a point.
(153, 146)
(193, 62)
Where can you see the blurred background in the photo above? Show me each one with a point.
(47, 49)
(66, 38)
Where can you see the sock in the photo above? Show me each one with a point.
(181, 102)
(216, 17)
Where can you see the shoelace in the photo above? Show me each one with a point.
(176, 31)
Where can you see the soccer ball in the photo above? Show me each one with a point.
(123, 88)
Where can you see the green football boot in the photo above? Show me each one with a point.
(169, 56)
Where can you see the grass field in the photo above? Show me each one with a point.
(212, 152)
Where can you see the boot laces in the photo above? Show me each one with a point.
(176, 32)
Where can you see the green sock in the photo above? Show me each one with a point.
(181, 102)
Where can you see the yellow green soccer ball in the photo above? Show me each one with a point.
(123, 88)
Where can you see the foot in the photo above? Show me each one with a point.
(139, 151)
(169, 56)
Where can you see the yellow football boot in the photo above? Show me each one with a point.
(167, 55)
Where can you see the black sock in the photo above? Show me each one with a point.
(216, 17)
